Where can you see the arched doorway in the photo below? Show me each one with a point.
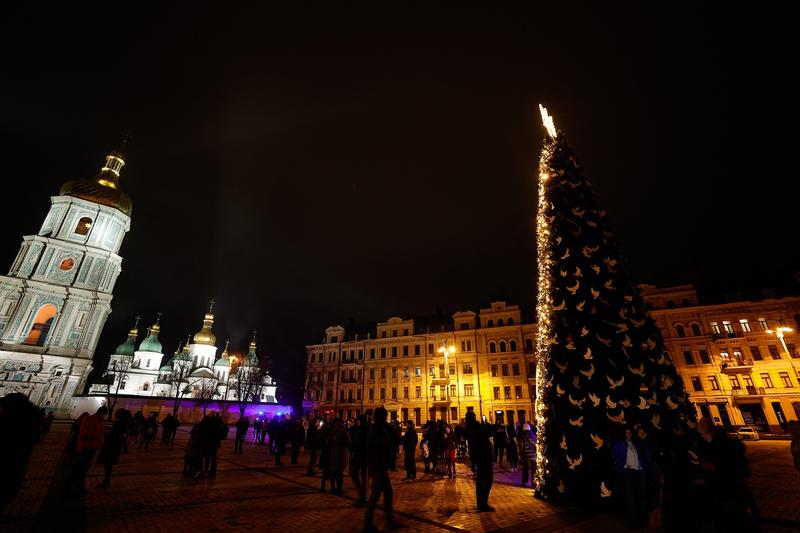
(41, 325)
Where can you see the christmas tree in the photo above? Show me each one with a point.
(601, 361)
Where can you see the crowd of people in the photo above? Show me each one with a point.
(655, 486)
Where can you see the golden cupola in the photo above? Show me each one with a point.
(206, 335)
(104, 188)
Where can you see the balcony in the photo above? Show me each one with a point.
(748, 391)
(440, 401)
(736, 366)
(727, 335)
(440, 378)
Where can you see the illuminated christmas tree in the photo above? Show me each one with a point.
(601, 361)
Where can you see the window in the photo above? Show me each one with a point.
(464, 325)
(518, 392)
(433, 392)
(467, 368)
(432, 371)
(500, 323)
(394, 333)
(361, 354)
(763, 324)
(734, 382)
(528, 345)
(358, 394)
(405, 332)
(515, 369)
(405, 351)
(442, 392)
(743, 322)
(492, 347)
(394, 393)
(452, 390)
(372, 353)
(748, 381)
(496, 393)
(452, 369)
(330, 376)
(417, 392)
(122, 384)
(383, 373)
(469, 346)
(787, 381)
(766, 380)
(715, 328)
(756, 353)
(341, 395)
(490, 323)
(727, 326)
(394, 351)
(360, 375)
(41, 325)
(507, 393)
(688, 357)
(502, 346)
(714, 383)
(405, 393)
(441, 371)
(394, 372)
(405, 371)
(383, 393)
(531, 369)
(84, 225)
(513, 346)
(329, 395)
(418, 371)
(494, 371)
(704, 358)
(696, 331)
(463, 346)
(773, 351)
(371, 394)
(371, 373)
(504, 369)
(430, 348)
(383, 353)
(792, 349)
(469, 390)
(680, 331)
(510, 321)
(725, 356)
(416, 349)
(696, 385)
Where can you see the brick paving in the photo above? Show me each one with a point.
(148, 494)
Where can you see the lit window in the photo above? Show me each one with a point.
(696, 384)
(84, 225)
(763, 324)
(469, 390)
(767, 380)
(715, 328)
(743, 322)
(726, 324)
(714, 382)
(787, 381)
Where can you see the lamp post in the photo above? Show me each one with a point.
(447, 351)
(779, 332)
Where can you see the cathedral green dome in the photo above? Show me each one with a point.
(127, 347)
(151, 343)
(166, 367)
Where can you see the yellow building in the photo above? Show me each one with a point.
(736, 367)
(437, 370)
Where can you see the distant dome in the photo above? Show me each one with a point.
(104, 188)
(126, 348)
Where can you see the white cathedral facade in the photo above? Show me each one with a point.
(57, 295)
(193, 371)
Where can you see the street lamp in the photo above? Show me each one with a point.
(447, 351)
(778, 332)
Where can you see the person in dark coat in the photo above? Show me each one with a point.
(379, 452)
(526, 439)
(313, 444)
(20, 424)
(499, 439)
(241, 432)
(278, 427)
(295, 434)
(90, 438)
(211, 432)
(112, 445)
(480, 450)
(410, 440)
(324, 456)
(338, 442)
(633, 460)
(358, 459)
(47, 422)
(511, 447)
(149, 430)
(168, 428)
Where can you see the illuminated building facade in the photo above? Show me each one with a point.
(739, 360)
(422, 370)
(57, 295)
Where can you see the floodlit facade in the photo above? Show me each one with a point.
(57, 295)
(422, 370)
(735, 365)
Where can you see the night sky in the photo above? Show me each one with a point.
(311, 167)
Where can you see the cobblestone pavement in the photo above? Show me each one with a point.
(148, 494)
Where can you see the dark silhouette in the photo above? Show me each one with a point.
(410, 440)
(338, 442)
(20, 427)
(633, 460)
(379, 452)
(527, 453)
(480, 450)
(241, 432)
(313, 443)
(89, 439)
(295, 435)
(113, 444)
(358, 459)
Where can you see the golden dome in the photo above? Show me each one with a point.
(206, 335)
(104, 188)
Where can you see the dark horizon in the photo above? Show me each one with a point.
(307, 168)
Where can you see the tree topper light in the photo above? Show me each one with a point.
(547, 120)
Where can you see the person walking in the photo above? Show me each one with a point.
(258, 427)
(149, 430)
(379, 450)
(167, 429)
(339, 444)
(193, 454)
(241, 432)
(410, 440)
(358, 459)
(112, 445)
(279, 434)
(526, 439)
(89, 440)
(632, 461)
(449, 448)
(480, 450)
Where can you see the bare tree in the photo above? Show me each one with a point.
(114, 378)
(178, 387)
(207, 389)
(246, 384)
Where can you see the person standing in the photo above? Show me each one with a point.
(632, 460)
(358, 459)
(449, 447)
(167, 429)
(313, 444)
(258, 426)
(410, 440)
(295, 438)
(149, 430)
(339, 443)
(526, 439)
(480, 450)
(20, 427)
(278, 427)
(500, 438)
(47, 421)
(241, 432)
(90, 438)
(112, 445)
(379, 451)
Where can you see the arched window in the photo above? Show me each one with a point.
(41, 325)
(510, 321)
(685, 302)
(670, 304)
(528, 345)
(499, 322)
(502, 346)
(490, 323)
(463, 346)
(696, 331)
(146, 386)
(84, 225)
(492, 347)
(513, 345)
(680, 330)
